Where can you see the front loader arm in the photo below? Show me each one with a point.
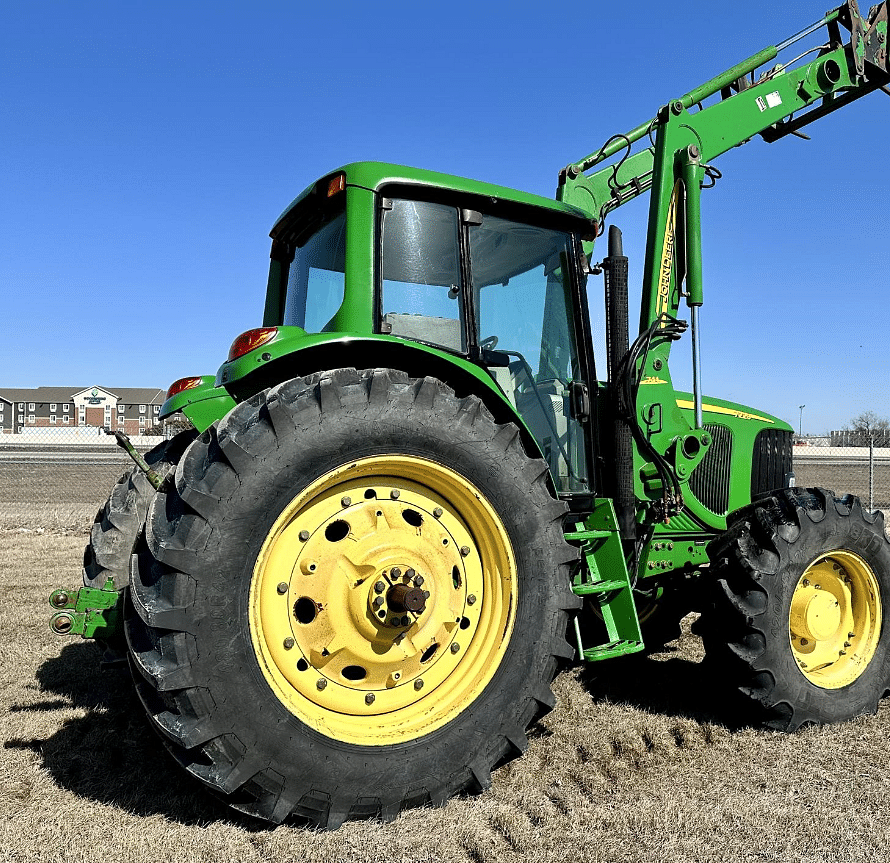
(771, 106)
(674, 163)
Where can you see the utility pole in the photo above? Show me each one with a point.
(800, 425)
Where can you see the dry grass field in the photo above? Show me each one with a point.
(632, 765)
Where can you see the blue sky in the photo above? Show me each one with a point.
(148, 148)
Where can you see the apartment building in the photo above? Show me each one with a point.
(133, 410)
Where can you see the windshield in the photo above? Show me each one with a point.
(316, 281)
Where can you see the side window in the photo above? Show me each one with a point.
(523, 296)
(526, 330)
(421, 291)
(317, 281)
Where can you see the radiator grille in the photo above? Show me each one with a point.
(772, 461)
(710, 480)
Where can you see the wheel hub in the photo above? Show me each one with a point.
(383, 582)
(835, 619)
(396, 598)
(815, 614)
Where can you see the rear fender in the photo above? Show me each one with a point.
(202, 404)
(294, 353)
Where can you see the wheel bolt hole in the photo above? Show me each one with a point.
(354, 672)
(464, 622)
(456, 580)
(429, 652)
(337, 530)
(302, 665)
(370, 494)
(305, 610)
(413, 517)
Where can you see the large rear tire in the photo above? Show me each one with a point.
(801, 594)
(353, 601)
(119, 520)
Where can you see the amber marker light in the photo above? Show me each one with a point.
(182, 384)
(250, 340)
(336, 184)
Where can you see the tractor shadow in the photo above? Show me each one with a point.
(111, 755)
(667, 682)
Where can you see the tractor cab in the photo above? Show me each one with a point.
(486, 275)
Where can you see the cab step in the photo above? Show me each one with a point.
(604, 578)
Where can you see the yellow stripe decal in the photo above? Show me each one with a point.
(665, 273)
(716, 409)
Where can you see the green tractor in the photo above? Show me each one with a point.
(408, 497)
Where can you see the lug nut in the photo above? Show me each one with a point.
(806, 582)
(304, 535)
(418, 580)
(426, 594)
(455, 647)
(396, 572)
(471, 599)
(345, 501)
(369, 698)
(406, 621)
(288, 643)
(282, 587)
(464, 550)
(395, 494)
(321, 683)
(804, 641)
(437, 512)
(409, 573)
(418, 684)
(379, 587)
(59, 599)
(378, 601)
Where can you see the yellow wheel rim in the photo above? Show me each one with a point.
(835, 619)
(383, 599)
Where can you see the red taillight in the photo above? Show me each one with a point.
(336, 184)
(250, 340)
(183, 384)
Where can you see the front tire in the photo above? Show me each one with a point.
(797, 625)
(354, 600)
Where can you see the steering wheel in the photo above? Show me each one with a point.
(489, 344)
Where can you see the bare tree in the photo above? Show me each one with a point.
(868, 429)
(868, 422)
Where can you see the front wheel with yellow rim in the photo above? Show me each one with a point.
(798, 628)
(354, 600)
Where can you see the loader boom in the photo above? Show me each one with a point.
(682, 142)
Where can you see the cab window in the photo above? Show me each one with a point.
(421, 284)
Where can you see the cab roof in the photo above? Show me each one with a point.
(376, 175)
